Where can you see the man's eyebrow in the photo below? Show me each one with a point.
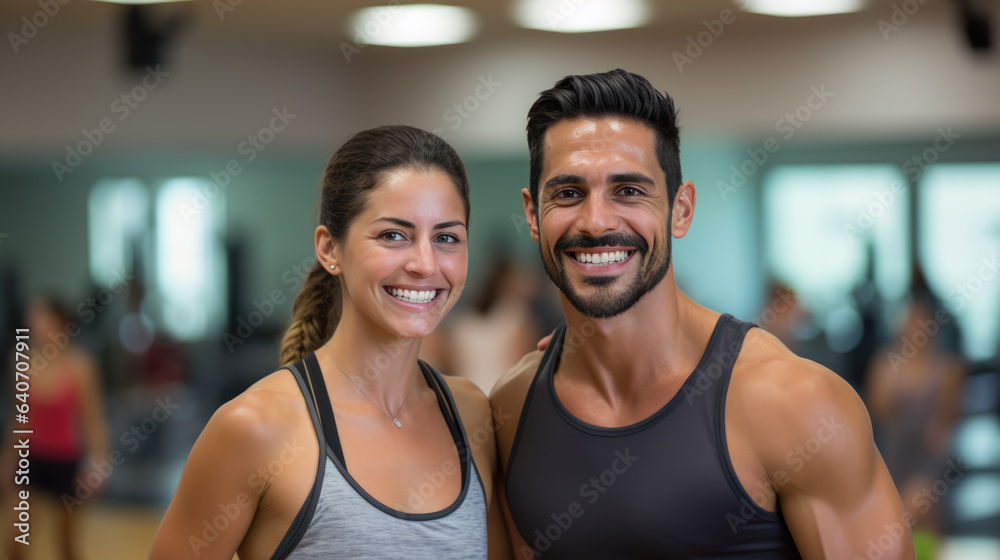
(631, 178)
(403, 223)
(563, 180)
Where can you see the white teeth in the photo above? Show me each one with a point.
(413, 296)
(602, 259)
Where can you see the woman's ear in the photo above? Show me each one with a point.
(327, 249)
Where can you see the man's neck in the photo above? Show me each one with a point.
(662, 337)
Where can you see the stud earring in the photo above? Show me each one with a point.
(332, 266)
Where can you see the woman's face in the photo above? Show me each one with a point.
(41, 320)
(404, 259)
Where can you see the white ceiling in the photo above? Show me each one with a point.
(228, 74)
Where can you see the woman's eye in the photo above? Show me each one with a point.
(392, 236)
(447, 238)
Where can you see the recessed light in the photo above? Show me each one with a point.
(137, 2)
(800, 8)
(581, 16)
(412, 25)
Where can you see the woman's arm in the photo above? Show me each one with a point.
(218, 481)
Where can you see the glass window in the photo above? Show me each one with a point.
(959, 233)
(118, 215)
(190, 266)
(821, 220)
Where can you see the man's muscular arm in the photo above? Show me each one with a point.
(814, 437)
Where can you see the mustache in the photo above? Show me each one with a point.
(616, 239)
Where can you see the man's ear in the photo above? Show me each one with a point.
(530, 213)
(327, 249)
(682, 212)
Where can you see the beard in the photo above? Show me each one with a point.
(604, 304)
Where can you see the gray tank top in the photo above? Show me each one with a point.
(339, 519)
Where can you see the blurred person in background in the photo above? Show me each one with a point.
(398, 475)
(914, 392)
(69, 442)
(498, 327)
(782, 315)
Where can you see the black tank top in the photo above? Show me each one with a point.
(663, 487)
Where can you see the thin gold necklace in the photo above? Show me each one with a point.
(394, 417)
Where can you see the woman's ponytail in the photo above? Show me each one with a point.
(315, 315)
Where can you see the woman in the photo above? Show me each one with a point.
(69, 438)
(408, 457)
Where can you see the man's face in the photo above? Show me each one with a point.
(603, 221)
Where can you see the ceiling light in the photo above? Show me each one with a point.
(412, 25)
(798, 8)
(581, 16)
(137, 2)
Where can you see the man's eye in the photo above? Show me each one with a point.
(568, 193)
(630, 191)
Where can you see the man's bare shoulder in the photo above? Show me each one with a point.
(769, 369)
(513, 385)
(792, 398)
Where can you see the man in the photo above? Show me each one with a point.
(653, 427)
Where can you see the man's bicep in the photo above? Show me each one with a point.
(839, 500)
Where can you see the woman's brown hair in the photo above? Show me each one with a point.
(353, 172)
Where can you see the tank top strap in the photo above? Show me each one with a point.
(300, 523)
(539, 389)
(718, 364)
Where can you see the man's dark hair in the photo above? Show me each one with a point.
(615, 93)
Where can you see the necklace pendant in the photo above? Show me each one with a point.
(397, 423)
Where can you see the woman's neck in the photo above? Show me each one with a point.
(384, 366)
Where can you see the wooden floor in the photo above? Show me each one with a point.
(115, 532)
(106, 531)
